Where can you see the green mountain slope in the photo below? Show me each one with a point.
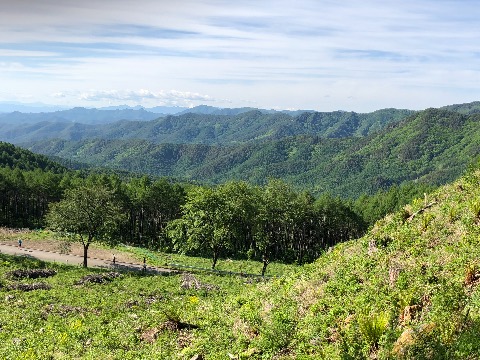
(432, 146)
(468, 108)
(409, 289)
(193, 128)
(14, 157)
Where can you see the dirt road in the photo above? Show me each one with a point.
(77, 260)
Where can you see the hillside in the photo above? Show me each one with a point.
(17, 158)
(409, 289)
(431, 146)
(191, 128)
(468, 108)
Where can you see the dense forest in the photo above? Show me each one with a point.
(235, 219)
(192, 128)
(432, 147)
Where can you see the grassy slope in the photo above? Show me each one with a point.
(408, 289)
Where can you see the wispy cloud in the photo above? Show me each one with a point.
(163, 97)
(271, 52)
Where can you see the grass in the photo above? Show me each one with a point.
(116, 319)
(224, 265)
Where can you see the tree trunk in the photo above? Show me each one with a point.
(265, 263)
(215, 258)
(85, 252)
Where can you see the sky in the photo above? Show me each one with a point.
(324, 55)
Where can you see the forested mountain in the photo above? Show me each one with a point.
(78, 114)
(17, 158)
(468, 108)
(212, 129)
(343, 153)
(432, 146)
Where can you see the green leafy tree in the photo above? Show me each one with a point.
(90, 212)
(275, 221)
(241, 207)
(205, 225)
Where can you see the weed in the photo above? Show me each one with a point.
(475, 208)
(372, 327)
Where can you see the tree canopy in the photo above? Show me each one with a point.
(90, 212)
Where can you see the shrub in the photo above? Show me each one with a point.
(372, 327)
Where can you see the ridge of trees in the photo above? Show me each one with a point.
(433, 147)
(191, 128)
(15, 157)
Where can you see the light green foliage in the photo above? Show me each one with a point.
(475, 207)
(372, 327)
(90, 212)
(205, 226)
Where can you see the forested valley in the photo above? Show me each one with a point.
(320, 153)
(234, 219)
(315, 180)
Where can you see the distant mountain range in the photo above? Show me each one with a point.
(344, 153)
(192, 128)
(16, 113)
(115, 113)
(11, 106)
(432, 146)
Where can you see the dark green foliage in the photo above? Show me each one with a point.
(430, 147)
(374, 207)
(14, 157)
(25, 195)
(149, 206)
(191, 128)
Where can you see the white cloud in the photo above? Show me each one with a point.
(24, 53)
(273, 53)
(162, 97)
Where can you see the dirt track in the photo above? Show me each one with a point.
(75, 259)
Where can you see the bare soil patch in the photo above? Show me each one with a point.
(11, 236)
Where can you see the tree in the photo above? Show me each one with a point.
(275, 221)
(90, 212)
(151, 205)
(205, 225)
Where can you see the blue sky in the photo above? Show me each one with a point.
(323, 55)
